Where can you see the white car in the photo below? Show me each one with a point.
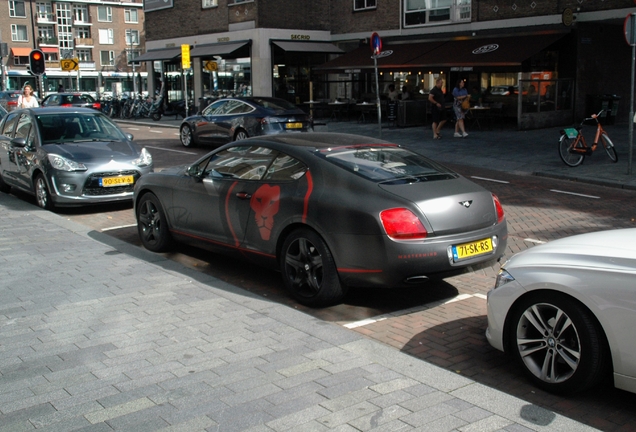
(566, 311)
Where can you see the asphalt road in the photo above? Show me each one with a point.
(444, 322)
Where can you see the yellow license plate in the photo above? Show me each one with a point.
(472, 249)
(294, 125)
(116, 181)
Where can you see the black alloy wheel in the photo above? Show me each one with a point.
(152, 226)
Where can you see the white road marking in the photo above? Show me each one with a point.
(379, 318)
(119, 227)
(490, 180)
(574, 193)
(176, 151)
(155, 131)
(132, 128)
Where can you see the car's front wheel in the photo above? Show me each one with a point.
(152, 226)
(558, 342)
(186, 136)
(309, 270)
(42, 194)
(240, 135)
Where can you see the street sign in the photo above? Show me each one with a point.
(185, 56)
(376, 43)
(629, 29)
(211, 66)
(69, 64)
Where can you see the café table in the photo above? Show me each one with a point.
(336, 109)
(478, 113)
(365, 108)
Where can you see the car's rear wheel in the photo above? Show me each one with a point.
(42, 194)
(240, 135)
(558, 342)
(186, 136)
(152, 225)
(309, 270)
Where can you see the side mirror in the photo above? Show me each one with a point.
(194, 171)
(130, 137)
(18, 142)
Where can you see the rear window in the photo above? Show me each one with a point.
(274, 104)
(387, 164)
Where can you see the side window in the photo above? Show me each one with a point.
(215, 109)
(241, 162)
(24, 127)
(9, 125)
(236, 107)
(285, 168)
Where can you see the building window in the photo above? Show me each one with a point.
(19, 33)
(106, 37)
(418, 12)
(83, 32)
(80, 13)
(107, 58)
(20, 60)
(132, 37)
(46, 32)
(104, 13)
(364, 4)
(44, 11)
(209, 3)
(16, 9)
(130, 15)
(132, 54)
(84, 55)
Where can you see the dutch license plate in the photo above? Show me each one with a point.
(294, 125)
(472, 249)
(571, 132)
(116, 181)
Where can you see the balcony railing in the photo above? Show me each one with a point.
(83, 42)
(84, 65)
(45, 18)
(48, 41)
(52, 64)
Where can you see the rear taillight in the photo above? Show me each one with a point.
(499, 208)
(402, 224)
(12, 103)
(66, 105)
(97, 105)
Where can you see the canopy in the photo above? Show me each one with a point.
(308, 46)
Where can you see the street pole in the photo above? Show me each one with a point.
(133, 64)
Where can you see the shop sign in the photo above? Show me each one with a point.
(461, 68)
(223, 39)
(300, 37)
(185, 56)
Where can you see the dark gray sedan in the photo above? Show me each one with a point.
(328, 210)
(69, 157)
(233, 119)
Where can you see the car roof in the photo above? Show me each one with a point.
(320, 139)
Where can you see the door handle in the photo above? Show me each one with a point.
(243, 195)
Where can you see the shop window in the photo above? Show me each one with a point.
(363, 4)
(16, 9)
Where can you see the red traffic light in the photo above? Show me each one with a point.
(37, 63)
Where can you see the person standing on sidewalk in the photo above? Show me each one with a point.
(438, 110)
(460, 94)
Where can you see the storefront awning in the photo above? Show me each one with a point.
(218, 49)
(159, 54)
(20, 52)
(50, 50)
(493, 51)
(308, 46)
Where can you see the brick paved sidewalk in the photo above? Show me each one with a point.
(96, 334)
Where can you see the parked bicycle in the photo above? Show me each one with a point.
(573, 148)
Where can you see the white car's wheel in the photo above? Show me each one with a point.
(558, 342)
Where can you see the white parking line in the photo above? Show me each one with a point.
(155, 131)
(490, 180)
(531, 240)
(119, 227)
(176, 151)
(574, 193)
(368, 321)
(132, 128)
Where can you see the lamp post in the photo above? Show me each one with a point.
(130, 31)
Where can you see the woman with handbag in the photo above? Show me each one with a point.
(462, 98)
(27, 99)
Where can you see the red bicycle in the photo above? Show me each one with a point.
(573, 148)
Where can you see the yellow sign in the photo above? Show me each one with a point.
(69, 64)
(185, 56)
(211, 66)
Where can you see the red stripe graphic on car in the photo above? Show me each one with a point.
(227, 214)
(310, 188)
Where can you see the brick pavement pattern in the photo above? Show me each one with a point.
(99, 335)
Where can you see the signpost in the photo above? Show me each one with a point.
(630, 36)
(185, 66)
(376, 47)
